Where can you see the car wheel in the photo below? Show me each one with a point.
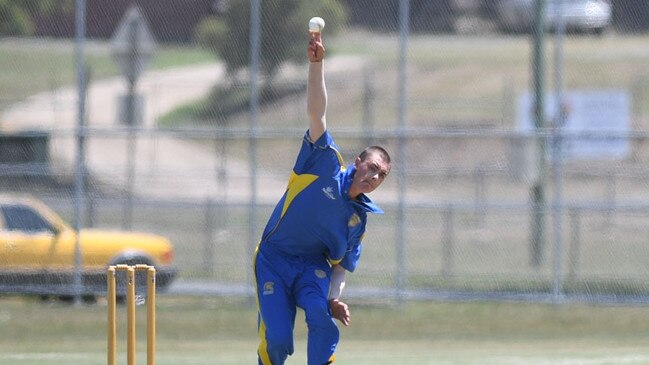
(86, 298)
(89, 299)
(599, 31)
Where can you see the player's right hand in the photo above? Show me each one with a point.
(315, 51)
(340, 311)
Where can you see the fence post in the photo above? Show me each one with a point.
(480, 193)
(208, 254)
(611, 183)
(507, 107)
(404, 21)
(368, 107)
(575, 243)
(448, 240)
(80, 66)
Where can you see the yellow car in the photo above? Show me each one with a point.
(37, 252)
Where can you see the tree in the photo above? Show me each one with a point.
(283, 32)
(16, 16)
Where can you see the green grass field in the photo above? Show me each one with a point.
(35, 65)
(223, 331)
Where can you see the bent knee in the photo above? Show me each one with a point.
(279, 343)
(324, 326)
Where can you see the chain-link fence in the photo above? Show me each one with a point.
(482, 201)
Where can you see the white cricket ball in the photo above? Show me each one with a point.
(316, 24)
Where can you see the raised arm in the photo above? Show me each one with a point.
(316, 91)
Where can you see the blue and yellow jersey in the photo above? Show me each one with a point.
(316, 216)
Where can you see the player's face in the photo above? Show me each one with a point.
(370, 173)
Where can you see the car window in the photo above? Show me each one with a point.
(22, 218)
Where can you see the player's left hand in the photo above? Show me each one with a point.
(340, 311)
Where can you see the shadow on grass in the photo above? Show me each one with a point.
(224, 102)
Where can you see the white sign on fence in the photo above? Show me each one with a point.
(601, 116)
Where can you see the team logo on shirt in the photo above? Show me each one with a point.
(329, 192)
(354, 220)
(269, 288)
(320, 274)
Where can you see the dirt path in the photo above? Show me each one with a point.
(165, 166)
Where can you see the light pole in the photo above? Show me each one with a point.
(80, 27)
(537, 191)
(559, 122)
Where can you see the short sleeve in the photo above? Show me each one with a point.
(311, 151)
(352, 256)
